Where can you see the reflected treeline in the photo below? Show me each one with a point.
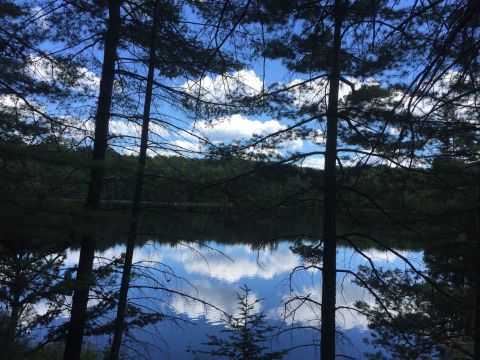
(411, 317)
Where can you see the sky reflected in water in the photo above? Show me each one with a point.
(215, 272)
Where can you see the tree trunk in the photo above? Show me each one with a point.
(476, 325)
(327, 341)
(137, 196)
(16, 290)
(476, 329)
(78, 317)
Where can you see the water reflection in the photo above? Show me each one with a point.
(215, 272)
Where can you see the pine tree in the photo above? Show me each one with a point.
(337, 44)
(78, 316)
(246, 334)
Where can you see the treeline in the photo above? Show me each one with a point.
(46, 173)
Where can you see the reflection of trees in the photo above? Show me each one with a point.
(416, 320)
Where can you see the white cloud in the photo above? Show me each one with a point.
(317, 137)
(46, 69)
(238, 127)
(315, 92)
(314, 162)
(185, 145)
(10, 101)
(77, 129)
(219, 89)
(235, 127)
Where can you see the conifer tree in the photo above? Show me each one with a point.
(246, 334)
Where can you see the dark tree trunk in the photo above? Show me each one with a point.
(78, 317)
(16, 289)
(137, 195)
(476, 325)
(476, 329)
(327, 342)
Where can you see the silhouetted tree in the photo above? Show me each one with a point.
(246, 334)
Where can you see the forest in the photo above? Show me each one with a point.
(238, 179)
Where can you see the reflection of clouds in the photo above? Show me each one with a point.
(233, 263)
(381, 255)
(240, 263)
(388, 259)
(145, 253)
(308, 313)
(221, 297)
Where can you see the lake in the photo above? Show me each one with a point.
(195, 283)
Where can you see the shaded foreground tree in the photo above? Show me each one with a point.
(137, 195)
(32, 289)
(78, 317)
(329, 278)
(169, 39)
(339, 44)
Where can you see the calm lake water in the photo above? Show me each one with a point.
(214, 272)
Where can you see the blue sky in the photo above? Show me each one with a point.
(166, 139)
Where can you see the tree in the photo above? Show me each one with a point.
(30, 279)
(137, 195)
(83, 280)
(338, 44)
(246, 333)
(164, 44)
(420, 321)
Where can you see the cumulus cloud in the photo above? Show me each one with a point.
(186, 145)
(239, 128)
(235, 127)
(314, 162)
(315, 92)
(79, 128)
(10, 101)
(220, 88)
(45, 69)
